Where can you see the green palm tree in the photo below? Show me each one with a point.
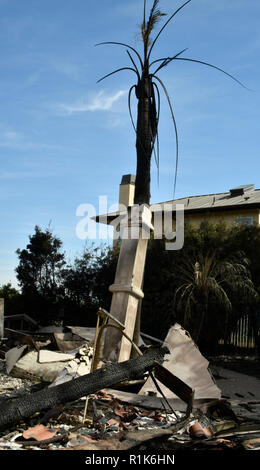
(148, 97)
(206, 280)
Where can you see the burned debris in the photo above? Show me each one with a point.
(81, 386)
(160, 399)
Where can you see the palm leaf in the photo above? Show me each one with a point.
(123, 44)
(175, 130)
(164, 26)
(166, 60)
(115, 71)
(154, 17)
(214, 67)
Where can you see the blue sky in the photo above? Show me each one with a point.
(65, 139)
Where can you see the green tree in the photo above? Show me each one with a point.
(78, 279)
(40, 264)
(39, 276)
(207, 283)
(163, 278)
(86, 284)
(7, 291)
(12, 299)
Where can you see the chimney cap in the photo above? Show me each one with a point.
(128, 179)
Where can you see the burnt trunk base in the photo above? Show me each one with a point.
(14, 411)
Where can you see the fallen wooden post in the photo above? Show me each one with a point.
(20, 408)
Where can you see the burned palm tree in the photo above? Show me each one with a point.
(148, 97)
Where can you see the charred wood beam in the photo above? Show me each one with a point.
(16, 410)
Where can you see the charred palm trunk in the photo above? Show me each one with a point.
(15, 410)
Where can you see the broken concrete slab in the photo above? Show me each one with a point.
(68, 341)
(28, 367)
(12, 356)
(86, 333)
(187, 363)
(47, 356)
(70, 372)
(48, 365)
(80, 365)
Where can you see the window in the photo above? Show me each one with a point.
(245, 220)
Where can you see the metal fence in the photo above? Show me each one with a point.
(242, 337)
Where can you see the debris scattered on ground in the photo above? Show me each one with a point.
(26, 406)
(76, 367)
(114, 424)
(223, 414)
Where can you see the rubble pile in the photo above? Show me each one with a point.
(112, 424)
(196, 409)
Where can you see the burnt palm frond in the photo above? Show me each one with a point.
(146, 127)
(156, 154)
(166, 60)
(144, 15)
(147, 28)
(175, 130)
(164, 26)
(134, 64)
(115, 71)
(214, 67)
(125, 45)
(129, 107)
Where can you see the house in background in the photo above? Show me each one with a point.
(240, 205)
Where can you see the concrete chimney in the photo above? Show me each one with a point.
(127, 190)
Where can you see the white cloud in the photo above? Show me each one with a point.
(101, 102)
